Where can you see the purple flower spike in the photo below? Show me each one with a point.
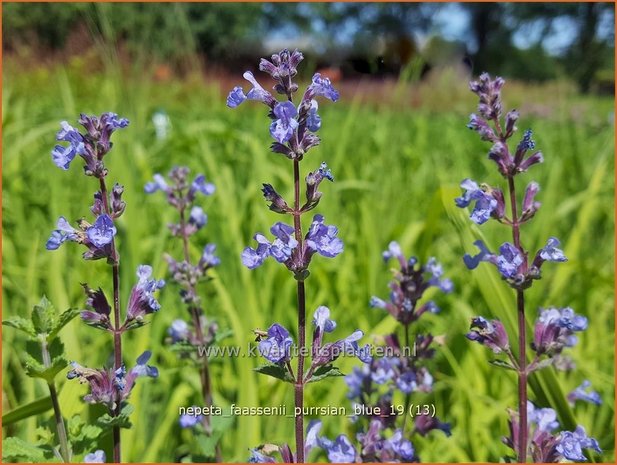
(235, 97)
(282, 129)
(252, 258)
(571, 444)
(102, 232)
(492, 334)
(63, 156)
(584, 393)
(276, 348)
(322, 238)
(197, 217)
(284, 244)
(485, 202)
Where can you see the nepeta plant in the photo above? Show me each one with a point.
(381, 425)
(293, 129)
(109, 386)
(190, 339)
(531, 429)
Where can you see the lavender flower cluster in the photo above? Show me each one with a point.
(555, 328)
(108, 386)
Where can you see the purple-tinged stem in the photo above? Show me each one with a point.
(522, 337)
(196, 312)
(408, 395)
(117, 324)
(299, 385)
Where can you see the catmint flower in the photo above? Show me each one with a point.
(179, 331)
(117, 204)
(530, 206)
(313, 179)
(554, 330)
(323, 324)
(276, 347)
(384, 369)
(277, 203)
(142, 301)
(584, 393)
(283, 128)
(235, 97)
(511, 119)
(63, 156)
(197, 217)
(544, 418)
(280, 249)
(571, 444)
(320, 87)
(157, 184)
(492, 334)
(65, 232)
(400, 446)
(99, 315)
(340, 450)
(486, 202)
(482, 128)
(509, 260)
(331, 351)
(322, 238)
(501, 156)
(105, 385)
(97, 456)
(283, 65)
(258, 92)
(102, 231)
(202, 186)
(313, 120)
(189, 421)
(549, 253)
(208, 259)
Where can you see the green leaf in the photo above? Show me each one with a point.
(83, 437)
(21, 324)
(501, 364)
(43, 316)
(276, 371)
(62, 321)
(122, 420)
(15, 449)
(207, 444)
(325, 371)
(26, 411)
(35, 370)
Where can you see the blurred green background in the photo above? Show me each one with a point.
(398, 146)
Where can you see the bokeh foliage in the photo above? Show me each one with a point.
(398, 160)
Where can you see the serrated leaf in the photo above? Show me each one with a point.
(15, 449)
(501, 364)
(21, 324)
(122, 420)
(83, 437)
(207, 444)
(325, 371)
(62, 321)
(44, 435)
(26, 411)
(36, 370)
(276, 371)
(43, 316)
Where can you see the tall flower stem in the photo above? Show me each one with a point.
(196, 312)
(117, 323)
(522, 337)
(299, 385)
(60, 428)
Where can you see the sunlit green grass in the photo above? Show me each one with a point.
(397, 170)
